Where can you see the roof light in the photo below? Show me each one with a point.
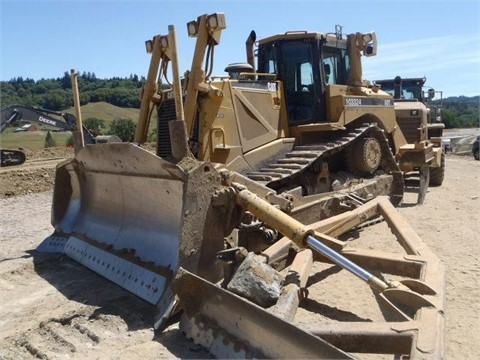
(149, 46)
(164, 42)
(216, 21)
(192, 28)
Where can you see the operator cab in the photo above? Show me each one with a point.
(404, 89)
(306, 63)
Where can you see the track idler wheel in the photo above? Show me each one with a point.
(364, 156)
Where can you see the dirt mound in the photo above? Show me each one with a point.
(59, 152)
(37, 174)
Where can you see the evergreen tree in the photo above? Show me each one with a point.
(49, 140)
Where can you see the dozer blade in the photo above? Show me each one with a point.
(134, 217)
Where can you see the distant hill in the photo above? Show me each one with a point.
(460, 111)
(105, 111)
(453, 99)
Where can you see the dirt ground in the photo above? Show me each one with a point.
(53, 308)
(37, 174)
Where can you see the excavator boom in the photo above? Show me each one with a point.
(14, 113)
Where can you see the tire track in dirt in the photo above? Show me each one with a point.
(52, 308)
(59, 336)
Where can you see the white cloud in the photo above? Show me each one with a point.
(446, 61)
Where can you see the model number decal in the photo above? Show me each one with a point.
(367, 101)
(353, 102)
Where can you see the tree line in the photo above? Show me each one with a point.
(461, 112)
(56, 94)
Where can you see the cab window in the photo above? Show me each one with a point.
(298, 75)
(336, 65)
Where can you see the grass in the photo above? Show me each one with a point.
(30, 139)
(109, 112)
(106, 112)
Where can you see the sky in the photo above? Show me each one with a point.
(439, 40)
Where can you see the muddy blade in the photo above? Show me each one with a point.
(122, 212)
(232, 327)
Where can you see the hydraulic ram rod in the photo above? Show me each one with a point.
(302, 235)
(345, 263)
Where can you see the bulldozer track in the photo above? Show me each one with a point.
(302, 157)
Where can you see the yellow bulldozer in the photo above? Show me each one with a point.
(267, 166)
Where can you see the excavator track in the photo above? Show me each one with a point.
(287, 170)
(12, 157)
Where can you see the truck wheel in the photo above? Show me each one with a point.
(364, 156)
(437, 174)
(476, 155)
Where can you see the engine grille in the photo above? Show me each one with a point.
(166, 113)
(410, 128)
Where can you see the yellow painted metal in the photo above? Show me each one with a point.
(79, 141)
